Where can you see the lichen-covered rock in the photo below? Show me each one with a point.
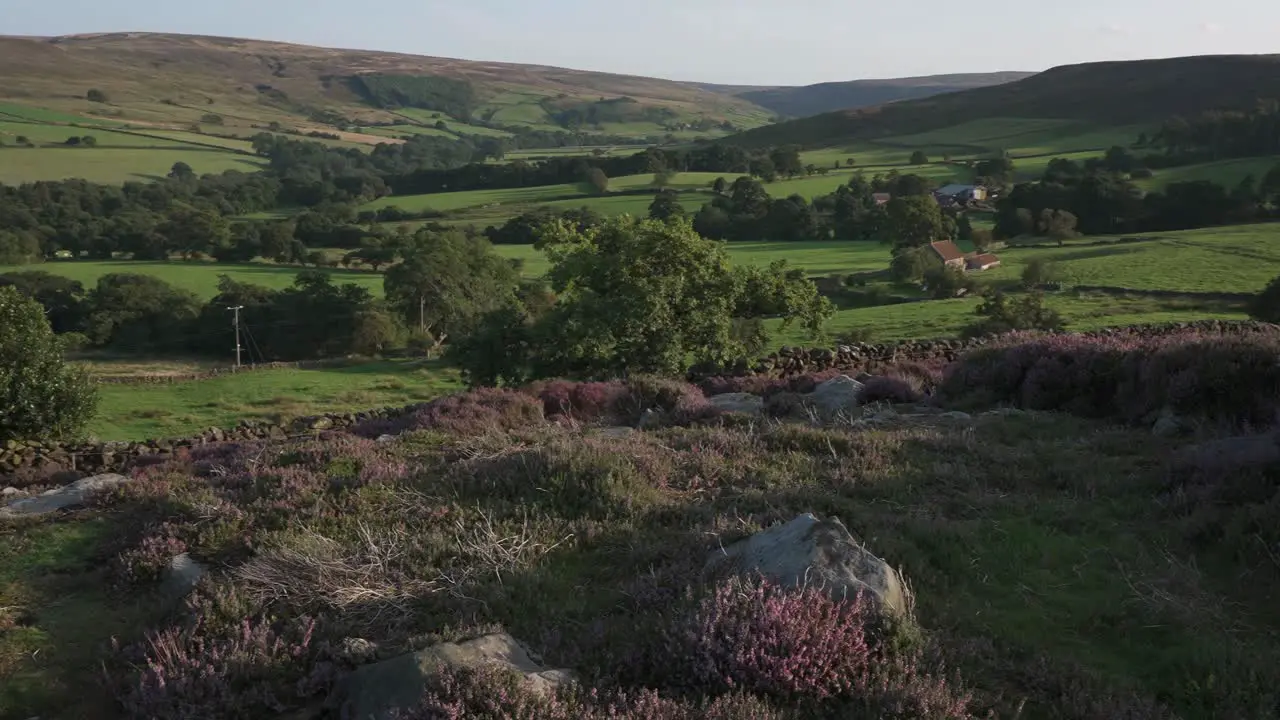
(181, 577)
(73, 495)
(816, 553)
(378, 691)
(836, 398)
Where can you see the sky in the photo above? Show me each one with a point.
(748, 42)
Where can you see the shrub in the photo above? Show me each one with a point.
(146, 563)
(1001, 315)
(1222, 378)
(803, 647)
(471, 413)
(890, 389)
(948, 282)
(41, 397)
(1038, 272)
(97, 96)
(257, 671)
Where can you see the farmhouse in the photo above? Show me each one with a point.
(984, 261)
(948, 253)
(961, 193)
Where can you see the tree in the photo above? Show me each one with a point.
(41, 396)
(89, 141)
(666, 206)
(181, 171)
(441, 125)
(597, 181)
(62, 298)
(1038, 272)
(19, 248)
(720, 185)
(96, 96)
(1059, 225)
(918, 158)
(850, 162)
(1265, 306)
(190, 230)
(139, 313)
(1001, 315)
(447, 281)
(642, 296)
(964, 228)
(948, 282)
(914, 221)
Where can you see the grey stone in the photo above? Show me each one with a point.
(182, 576)
(836, 397)
(1167, 425)
(744, 403)
(378, 691)
(650, 420)
(73, 495)
(322, 423)
(11, 492)
(817, 553)
(385, 438)
(957, 416)
(357, 651)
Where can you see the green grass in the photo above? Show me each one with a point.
(43, 115)
(58, 134)
(1236, 259)
(1227, 173)
(134, 412)
(113, 166)
(200, 278)
(200, 138)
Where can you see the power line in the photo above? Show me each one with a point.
(236, 322)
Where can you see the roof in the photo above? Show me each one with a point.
(984, 259)
(882, 197)
(955, 189)
(947, 250)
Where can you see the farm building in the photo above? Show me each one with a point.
(881, 198)
(948, 253)
(984, 261)
(961, 193)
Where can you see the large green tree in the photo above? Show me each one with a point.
(914, 221)
(638, 296)
(41, 397)
(447, 281)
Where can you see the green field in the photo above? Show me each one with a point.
(43, 115)
(135, 412)
(58, 134)
(114, 166)
(200, 278)
(1223, 172)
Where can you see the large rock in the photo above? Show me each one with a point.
(836, 398)
(819, 553)
(68, 496)
(376, 692)
(181, 577)
(744, 403)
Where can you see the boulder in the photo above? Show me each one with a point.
(378, 691)
(836, 398)
(73, 495)
(819, 553)
(181, 577)
(957, 416)
(744, 403)
(11, 492)
(1167, 425)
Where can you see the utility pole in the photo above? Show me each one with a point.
(236, 322)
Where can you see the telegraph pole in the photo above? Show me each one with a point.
(236, 322)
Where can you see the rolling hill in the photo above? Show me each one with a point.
(1105, 94)
(826, 97)
(166, 79)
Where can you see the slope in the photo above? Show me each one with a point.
(180, 79)
(1108, 93)
(826, 97)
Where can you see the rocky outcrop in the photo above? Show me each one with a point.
(76, 494)
(837, 398)
(816, 553)
(378, 691)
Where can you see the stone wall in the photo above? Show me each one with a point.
(793, 361)
(29, 462)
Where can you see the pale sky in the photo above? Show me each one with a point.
(750, 42)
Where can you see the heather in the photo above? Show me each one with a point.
(1228, 379)
(1062, 566)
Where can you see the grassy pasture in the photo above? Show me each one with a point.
(200, 278)
(42, 134)
(1228, 173)
(44, 115)
(133, 412)
(113, 166)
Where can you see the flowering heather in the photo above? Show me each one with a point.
(803, 646)
(470, 413)
(618, 401)
(146, 563)
(256, 671)
(1227, 378)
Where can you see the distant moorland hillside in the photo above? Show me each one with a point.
(809, 100)
(1108, 93)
